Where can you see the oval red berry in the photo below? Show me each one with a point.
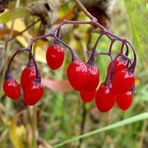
(28, 75)
(33, 93)
(104, 99)
(55, 56)
(87, 96)
(11, 89)
(124, 101)
(122, 82)
(77, 74)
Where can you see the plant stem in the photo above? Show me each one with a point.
(35, 129)
(84, 113)
(92, 56)
(85, 11)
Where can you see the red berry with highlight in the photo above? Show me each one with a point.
(11, 89)
(104, 99)
(122, 82)
(28, 75)
(93, 77)
(33, 93)
(124, 101)
(119, 64)
(55, 56)
(87, 96)
(77, 74)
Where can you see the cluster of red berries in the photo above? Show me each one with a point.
(118, 86)
(85, 78)
(30, 84)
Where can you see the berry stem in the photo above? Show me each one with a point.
(127, 50)
(38, 77)
(73, 53)
(92, 56)
(8, 72)
(133, 65)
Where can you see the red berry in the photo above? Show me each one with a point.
(11, 89)
(122, 82)
(87, 96)
(104, 99)
(119, 64)
(124, 101)
(33, 93)
(28, 75)
(93, 77)
(77, 74)
(55, 56)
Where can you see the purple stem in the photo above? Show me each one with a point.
(92, 56)
(8, 72)
(133, 65)
(73, 54)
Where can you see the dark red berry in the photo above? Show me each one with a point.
(93, 77)
(55, 56)
(104, 99)
(77, 74)
(124, 101)
(28, 75)
(87, 96)
(122, 82)
(119, 64)
(33, 93)
(11, 89)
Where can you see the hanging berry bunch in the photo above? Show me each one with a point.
(118, 86)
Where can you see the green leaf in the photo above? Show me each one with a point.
(13, 14)
(138, 14)
(130, 120)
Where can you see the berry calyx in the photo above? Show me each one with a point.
(28, 75)
(122, 82)
(77, 74)
(33, 93)
(119, 64)
(55, 56)
(105, 100)
(124, 101)
(11, 89)
(87, 96)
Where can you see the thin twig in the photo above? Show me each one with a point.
(84, 113)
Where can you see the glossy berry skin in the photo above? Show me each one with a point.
(28, 75)
(87, 96)
(119, 64)
(124, 101)
(93, 77)
(105, 100)
(77, 74)
(55, 56)
(33, 93)
(11, 89)
(122, 82)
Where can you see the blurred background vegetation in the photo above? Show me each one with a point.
(61, 115)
